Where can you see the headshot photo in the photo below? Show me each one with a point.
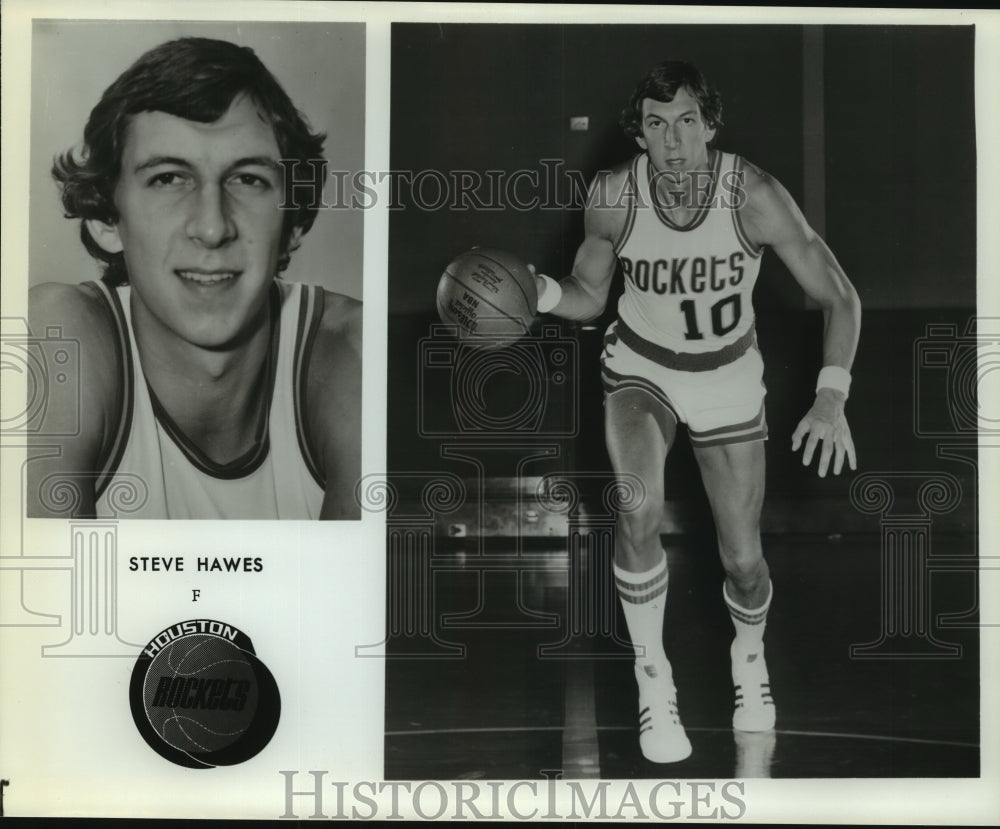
(192, 271)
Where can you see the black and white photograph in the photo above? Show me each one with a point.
(182, 343)
(499, 412)
(641, 231)
(205, 383)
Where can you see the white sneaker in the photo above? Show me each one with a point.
(661, 735)
(755, 709)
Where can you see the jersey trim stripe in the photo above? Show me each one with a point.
(311, 306)
(752, 430)
(728, 440)
(614, 382)
(686, 361)
(741, 232)
(250, 460)
(631, 194)
(701, 212)
(752, 423)
(108, 464)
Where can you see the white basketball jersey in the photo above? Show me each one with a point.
(154, 471)
(688, 288)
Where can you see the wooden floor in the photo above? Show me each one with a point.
(513, 685)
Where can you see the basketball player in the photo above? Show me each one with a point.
(688, 224)
(206, 386)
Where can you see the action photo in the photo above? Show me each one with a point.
(688, 487)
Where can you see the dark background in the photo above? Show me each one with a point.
(872, 131)
(897, 135)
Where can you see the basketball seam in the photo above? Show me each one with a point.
(511, 275)
(484, 299)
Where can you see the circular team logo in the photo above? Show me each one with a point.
(200, 696)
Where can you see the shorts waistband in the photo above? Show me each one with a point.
(685, 360)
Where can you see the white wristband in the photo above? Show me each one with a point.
(834, 377)
(550, 297)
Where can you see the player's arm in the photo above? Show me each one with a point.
(771, 217)
(333, 397)
(72, 333)
(584, 293)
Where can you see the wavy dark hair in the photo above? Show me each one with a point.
(192, 78)
(661, 84)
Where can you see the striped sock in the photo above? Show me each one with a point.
(749, 624)
(644, 598)
(754, 709)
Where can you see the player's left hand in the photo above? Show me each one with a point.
(826, 427)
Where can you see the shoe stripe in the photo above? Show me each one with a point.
(646, 719)
(763, 698)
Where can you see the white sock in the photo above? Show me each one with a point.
(644, 598)
(749, 624)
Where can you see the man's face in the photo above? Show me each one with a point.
(199, 224)
(674, 134)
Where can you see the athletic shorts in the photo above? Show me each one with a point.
(720, 404)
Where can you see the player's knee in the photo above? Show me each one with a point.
(746, 565)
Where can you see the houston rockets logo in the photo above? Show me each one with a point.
(201, 698)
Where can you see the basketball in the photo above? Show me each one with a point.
(201, 694)
(488, 294)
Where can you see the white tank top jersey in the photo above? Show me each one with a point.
(276, 478)
(688, 288)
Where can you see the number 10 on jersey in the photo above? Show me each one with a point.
(724, 316)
